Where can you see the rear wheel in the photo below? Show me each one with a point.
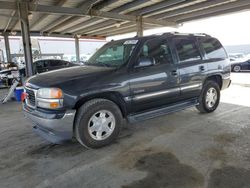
(237, 68)
(209, 98)
(98, 123)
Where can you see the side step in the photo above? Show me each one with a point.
(162, 111)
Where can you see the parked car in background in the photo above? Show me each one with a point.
(46, 65)
(234, 57)
(39, 66)
(133, 79)
(239, 62)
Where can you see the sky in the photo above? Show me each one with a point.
(230, 29)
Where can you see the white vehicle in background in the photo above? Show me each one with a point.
(237, 57)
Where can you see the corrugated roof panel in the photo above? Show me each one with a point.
(41, 21)
(77, 21)
(115, 5)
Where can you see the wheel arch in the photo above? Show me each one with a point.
(217, 78)
(115, 97)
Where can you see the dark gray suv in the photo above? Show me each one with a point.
(133, 79)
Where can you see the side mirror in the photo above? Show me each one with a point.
(145, 62)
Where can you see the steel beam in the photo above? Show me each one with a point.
(5, 5)
(10, 19)
(23, 14)
(130, 5)
(224, 12)
(43, 17)
(189, 9)
(80, 28)
(38, 34)
(114, 29)
(93, 13)
(103, 4)
(85, 6)
(56, 22)
(77, 48)
(212, 10)
(122, 18)
(157, 6)
(139, 26)
(82, 25)
(7, 47)
(105, 24)
(124, 31)
(111, 29)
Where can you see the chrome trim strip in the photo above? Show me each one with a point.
(153, 94)
(191, 87)
(48, 100)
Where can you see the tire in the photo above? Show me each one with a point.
(98, 123)
(210, 87)
(236, 68)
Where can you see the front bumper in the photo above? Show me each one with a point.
(54, 127)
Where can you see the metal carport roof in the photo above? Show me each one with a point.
(102, 18)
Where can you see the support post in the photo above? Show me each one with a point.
(139, 26)
(7, 47)
(77, 48)
(23, 15)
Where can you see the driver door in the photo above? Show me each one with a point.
(155, 85)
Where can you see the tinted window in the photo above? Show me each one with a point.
(187, 50)
(46, 63)
(157, 49)
(57, 63)
(40, 64)
(212, 48)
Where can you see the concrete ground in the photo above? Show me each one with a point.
(184, 150)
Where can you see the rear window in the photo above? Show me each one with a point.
(213, 48)
(187, 50)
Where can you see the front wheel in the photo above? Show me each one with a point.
(209, 98)
(98, 123)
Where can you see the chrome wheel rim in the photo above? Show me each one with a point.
(237, 68)
(101, 125)
(211, 97)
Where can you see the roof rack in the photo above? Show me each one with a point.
(191, 34)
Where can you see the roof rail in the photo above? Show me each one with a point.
(192, 34)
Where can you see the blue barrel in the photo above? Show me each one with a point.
(18, 93)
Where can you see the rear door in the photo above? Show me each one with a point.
(157, 85)
(215, 54)
(191, 66)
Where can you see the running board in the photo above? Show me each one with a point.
(162, 111)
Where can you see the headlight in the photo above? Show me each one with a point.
(51, 98)
(50, 93)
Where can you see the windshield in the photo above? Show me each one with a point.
(113, 54)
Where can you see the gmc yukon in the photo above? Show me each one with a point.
(131, 79)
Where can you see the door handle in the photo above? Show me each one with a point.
(202, 68)
(174, 73)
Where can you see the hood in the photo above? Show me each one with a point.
(69, 75)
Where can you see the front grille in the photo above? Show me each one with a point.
(31, 98)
